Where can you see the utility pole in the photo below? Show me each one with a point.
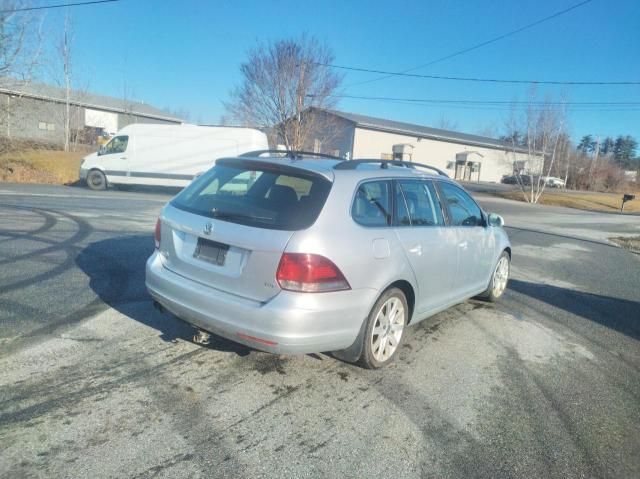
(300, 104)
(594, 161)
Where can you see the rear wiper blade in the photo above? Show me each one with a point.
(230, 215)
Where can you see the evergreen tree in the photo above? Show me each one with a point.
(587, 144)
(607, 146)
(624, 151)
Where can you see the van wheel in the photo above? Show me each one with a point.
(499, 279)
(96, 180)
(385, 329)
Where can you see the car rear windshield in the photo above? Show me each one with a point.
(256, 194)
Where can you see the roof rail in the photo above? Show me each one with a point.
(291, 154)
(384, 164)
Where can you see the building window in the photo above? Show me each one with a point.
(42, 125)
(317, 146)
(51, 127)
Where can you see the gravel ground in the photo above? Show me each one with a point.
(96, 383)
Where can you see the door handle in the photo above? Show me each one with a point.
(123, 157)
(417, 249)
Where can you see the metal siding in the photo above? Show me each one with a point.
(495, 163)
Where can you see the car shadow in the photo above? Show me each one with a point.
(116, 271)
(621, 315)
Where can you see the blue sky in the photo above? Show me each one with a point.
(185, 54)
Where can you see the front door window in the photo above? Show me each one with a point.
(117, 144)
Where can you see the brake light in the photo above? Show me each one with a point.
(158, 233)
(309, 273)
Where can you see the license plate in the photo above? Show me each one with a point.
(211, 251)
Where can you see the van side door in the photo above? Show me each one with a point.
(475, 242)
(430, 247)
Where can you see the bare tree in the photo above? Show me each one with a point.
(280, 82)
(445, 123)
(20, 41)
(539, 132)
(64, 50)
(181, 113)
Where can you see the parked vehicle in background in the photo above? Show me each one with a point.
(309, 255)
(167, 155)
(553, 181)
(521, 179)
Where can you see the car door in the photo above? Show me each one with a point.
(430, 247)
(475, 241)
(114, 157)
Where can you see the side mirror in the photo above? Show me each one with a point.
(101, 151)
(495, 220)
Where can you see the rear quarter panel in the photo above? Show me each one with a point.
(368, 257)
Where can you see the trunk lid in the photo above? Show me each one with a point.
(233, 258)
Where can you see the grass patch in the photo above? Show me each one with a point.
(632, 243)
(583, 200)
(41, 166)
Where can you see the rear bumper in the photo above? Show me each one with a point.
(288, 323)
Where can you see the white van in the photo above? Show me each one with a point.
(166, 155)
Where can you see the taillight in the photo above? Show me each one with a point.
(157, 235)
(309, 273)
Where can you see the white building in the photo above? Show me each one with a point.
(463, 156)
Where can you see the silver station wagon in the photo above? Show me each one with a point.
(303, 254)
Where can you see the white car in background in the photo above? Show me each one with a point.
(553, 181)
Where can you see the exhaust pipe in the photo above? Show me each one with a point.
(202, 337)
(158, 306)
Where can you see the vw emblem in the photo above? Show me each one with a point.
(208, 228)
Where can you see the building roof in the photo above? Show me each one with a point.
(410, 129)
(85, 99)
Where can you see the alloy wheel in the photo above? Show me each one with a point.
(387, 329)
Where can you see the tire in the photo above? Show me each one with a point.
(499, 279)
(96, 180)
(381, 329)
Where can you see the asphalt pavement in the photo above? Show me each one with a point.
(96, 383)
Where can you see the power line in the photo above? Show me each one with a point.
(484, 80)
(503, 105)
(482, 44)
(60, 5)
(493, 102)
(507, 109)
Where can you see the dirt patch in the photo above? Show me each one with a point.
(40, 166)
(583, 200)
(632, 243)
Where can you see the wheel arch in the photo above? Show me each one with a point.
(409, 293)
(101, 170)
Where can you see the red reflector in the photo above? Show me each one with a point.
(157, 234)
(310, 273)
(257, 340)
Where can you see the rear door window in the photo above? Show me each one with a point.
(372, 204)
(417, 204)
(255, 194)
(463, 211)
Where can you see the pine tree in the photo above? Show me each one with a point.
(624, 151)
(587, 144)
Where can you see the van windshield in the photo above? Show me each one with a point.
(256, 194)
